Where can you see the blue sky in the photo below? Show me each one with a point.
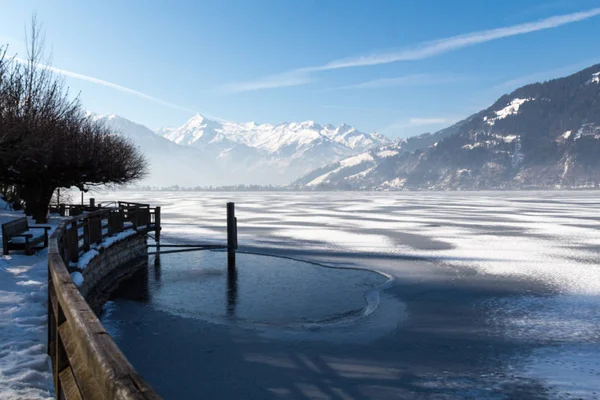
(398, 67)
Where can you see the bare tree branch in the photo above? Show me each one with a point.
(46, 139)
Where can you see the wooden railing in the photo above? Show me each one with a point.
(86, 363)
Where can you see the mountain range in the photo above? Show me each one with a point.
(543, 135)
(206, 152)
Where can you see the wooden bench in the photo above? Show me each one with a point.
(18, 229)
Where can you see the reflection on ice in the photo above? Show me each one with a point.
(571, 371)
(549, 320)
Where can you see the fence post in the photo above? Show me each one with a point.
(60, 356)
(51, 317)
(64, 245)
(86, 235)
(73, 235)
(121, 220)
(157, 227)
(133, 217)
(231, 235)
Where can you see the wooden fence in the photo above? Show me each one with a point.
(86, 363)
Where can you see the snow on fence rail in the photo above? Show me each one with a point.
(86, 363)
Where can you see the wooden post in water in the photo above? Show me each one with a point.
(231, 235)
(92, 202)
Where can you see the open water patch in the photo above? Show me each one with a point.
(261, 291)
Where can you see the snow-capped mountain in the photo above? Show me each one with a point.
(202, 132)
(205, 152)
(271, 154)
(544, 135)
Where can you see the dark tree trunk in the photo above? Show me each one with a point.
(37, 199)
(41, 213)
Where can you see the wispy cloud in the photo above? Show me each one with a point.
(111, 85)
(408, 80)
(370, 109)
(436, 47)
(430, 121)
(420, 122)
(292, 78)
(421, 51)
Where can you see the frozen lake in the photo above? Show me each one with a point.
(493, 295)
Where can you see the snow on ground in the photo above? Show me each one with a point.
(387, 153)
(394, 183)
(323, 178)
(77, 278)
(548, 237)
(109, 241)
(347, 163)
(24, 364)
(362, 174)
(88, 256)
(84, 260)
(510, 109)
(359, 159)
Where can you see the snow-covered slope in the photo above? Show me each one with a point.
(543, 135)
(358, 171)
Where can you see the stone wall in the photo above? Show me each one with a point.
(116, 263)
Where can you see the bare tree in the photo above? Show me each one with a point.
(50, 142)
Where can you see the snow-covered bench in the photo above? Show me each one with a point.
(17, 235)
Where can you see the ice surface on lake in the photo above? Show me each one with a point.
(552, 238)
